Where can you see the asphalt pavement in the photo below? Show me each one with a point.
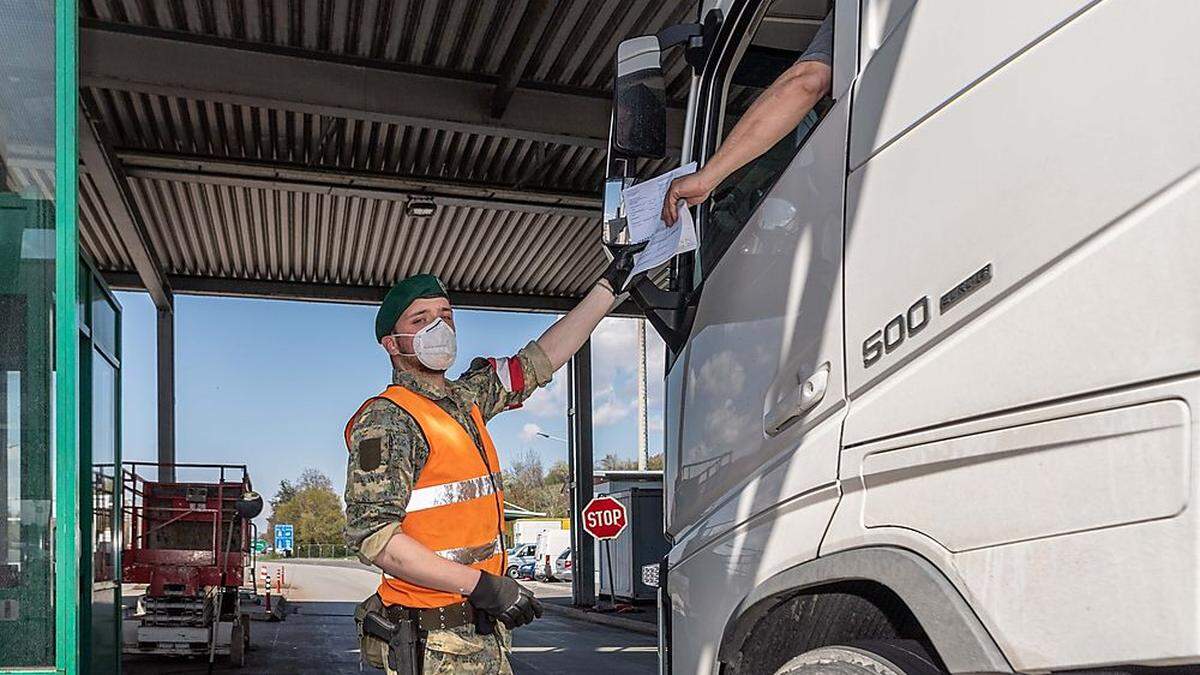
(318, 636)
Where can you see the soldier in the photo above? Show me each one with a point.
(424, 500)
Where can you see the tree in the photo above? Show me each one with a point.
(285, 493)
(559, 474)
(529, 486)
(611, 462)
(311, 505)
(313, 478)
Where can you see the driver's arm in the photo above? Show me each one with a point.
(774, 114)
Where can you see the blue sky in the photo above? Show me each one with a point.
(271, 383)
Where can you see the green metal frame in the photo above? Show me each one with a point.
(67, 538)
(68, 541)
(92, 351)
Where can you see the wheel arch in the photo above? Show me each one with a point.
(952, 628)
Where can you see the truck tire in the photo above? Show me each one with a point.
(512, 572)
(869, 657)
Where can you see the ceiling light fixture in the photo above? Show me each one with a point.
(420, 208)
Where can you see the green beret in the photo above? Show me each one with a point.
(401, 296)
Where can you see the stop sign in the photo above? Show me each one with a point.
(604, 518)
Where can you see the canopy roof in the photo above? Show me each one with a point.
(274, 147)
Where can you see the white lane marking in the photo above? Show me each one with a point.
(636, 649)
(536, 650)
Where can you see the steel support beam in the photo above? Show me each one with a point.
(533, 23)
(358, 295)
(276, 175)
(112, 185)
(170, 63)
(579, 415)
(166, 394)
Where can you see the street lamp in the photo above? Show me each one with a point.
(553, 438)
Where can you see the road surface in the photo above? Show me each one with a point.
(319, 637)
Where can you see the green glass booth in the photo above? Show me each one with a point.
(60, 537)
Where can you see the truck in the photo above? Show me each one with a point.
(550, 544)
(930, 371)
(526, 530)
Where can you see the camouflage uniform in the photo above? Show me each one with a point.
(387, 452)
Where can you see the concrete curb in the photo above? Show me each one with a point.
(632, 625)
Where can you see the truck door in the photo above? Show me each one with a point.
(762, 379)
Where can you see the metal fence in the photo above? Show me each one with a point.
(308, 550)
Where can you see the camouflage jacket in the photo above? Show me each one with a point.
(388, 448)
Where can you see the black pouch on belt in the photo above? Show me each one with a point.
(484, 624)
(406, 642)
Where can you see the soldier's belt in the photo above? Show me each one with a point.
(436, 618)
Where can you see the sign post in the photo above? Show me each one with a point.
(605, 519)
(284, 537)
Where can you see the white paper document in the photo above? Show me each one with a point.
(643, 216)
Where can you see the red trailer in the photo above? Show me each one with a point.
(190, 543)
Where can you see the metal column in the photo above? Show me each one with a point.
(111, 182)
(166, 394)
(579, 412)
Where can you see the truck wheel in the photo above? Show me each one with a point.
(869, 657)
(512, 572)
(237, 645)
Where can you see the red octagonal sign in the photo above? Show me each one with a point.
(604, 518)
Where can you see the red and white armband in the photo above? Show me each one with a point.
(511, 375)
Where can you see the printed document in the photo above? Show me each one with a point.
(643, 216)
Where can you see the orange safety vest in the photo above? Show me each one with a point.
(457, 504)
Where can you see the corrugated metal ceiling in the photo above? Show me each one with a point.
(201, 170)
(575, 46)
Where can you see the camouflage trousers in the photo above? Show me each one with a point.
(462, 650)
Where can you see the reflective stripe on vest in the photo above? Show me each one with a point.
(452, 493)
(469, 555)
(456, 506)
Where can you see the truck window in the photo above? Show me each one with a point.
(781, 36)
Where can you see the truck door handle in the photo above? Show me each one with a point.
(797, 401)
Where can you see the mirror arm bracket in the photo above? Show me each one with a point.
(679, 34)
(667, 311)
(697, 38)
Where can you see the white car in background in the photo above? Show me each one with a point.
(562, 566)
(518, 556)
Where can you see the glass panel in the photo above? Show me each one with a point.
(105, 597)
(104, 319)
(776, 45)
(26, 310)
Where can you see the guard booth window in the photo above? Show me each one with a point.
(27, 378)
(99, 449)
(779, 39)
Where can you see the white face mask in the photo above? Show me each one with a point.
(434, 345)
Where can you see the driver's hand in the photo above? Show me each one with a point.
(692, 188)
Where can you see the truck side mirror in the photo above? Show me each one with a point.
(640, 100)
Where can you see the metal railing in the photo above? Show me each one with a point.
(143, 520)
(318, 550)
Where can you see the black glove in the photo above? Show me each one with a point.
(509, 602)
(618, 270)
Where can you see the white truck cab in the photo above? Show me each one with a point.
(932, 367)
